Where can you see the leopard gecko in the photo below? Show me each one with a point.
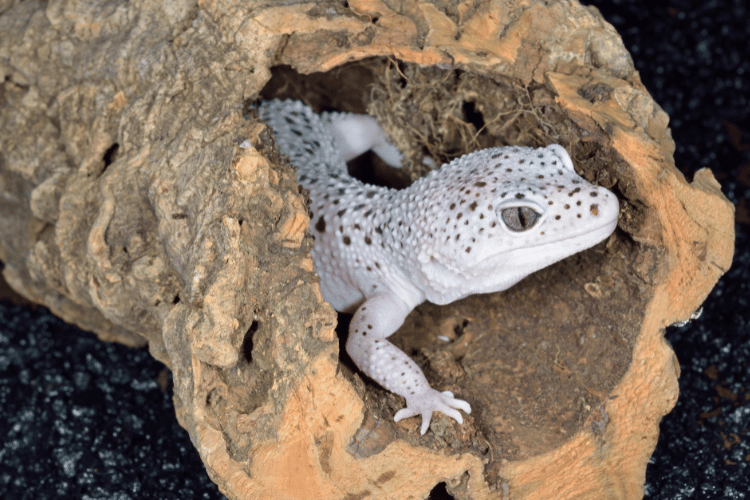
(478, 224)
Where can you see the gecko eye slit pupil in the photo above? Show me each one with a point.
(519, 219)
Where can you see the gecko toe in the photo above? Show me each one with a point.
(431, 401)
(405, 413)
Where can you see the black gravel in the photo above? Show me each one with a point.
(83, 419)
(80, 418)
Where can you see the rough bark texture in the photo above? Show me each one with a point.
(130, 208)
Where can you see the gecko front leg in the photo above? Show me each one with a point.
(374, 321)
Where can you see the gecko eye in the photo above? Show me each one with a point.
(519, 219)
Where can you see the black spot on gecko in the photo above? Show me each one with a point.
(368, 240)
(380, 231)
(320, 226)
(594, 194)
(347, 240)
(520, 196)
(341, 212)
(480, 184)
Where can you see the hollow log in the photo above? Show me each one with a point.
(143, 201)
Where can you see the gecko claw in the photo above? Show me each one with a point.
(431, 401)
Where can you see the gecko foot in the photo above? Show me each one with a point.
(431, 400)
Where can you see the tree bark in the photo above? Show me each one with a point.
(141, 200)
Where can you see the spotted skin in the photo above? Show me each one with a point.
(476, 225)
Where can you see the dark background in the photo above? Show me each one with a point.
(83, 419)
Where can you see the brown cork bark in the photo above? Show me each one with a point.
(142, 201)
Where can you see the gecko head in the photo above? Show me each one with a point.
(499, 214)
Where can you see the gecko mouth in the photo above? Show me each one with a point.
(559, 249)
(588, 234)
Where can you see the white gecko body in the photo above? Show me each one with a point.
(476, 225)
